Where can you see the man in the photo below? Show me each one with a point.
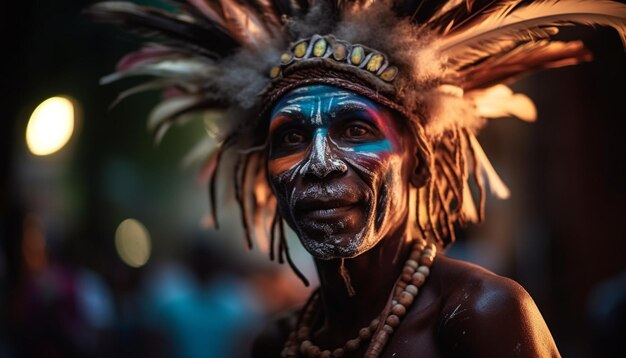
(356, 123)
(342, 168)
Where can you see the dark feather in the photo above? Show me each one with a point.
(151, 22)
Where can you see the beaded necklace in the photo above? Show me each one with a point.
(414, 273)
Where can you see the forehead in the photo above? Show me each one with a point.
(314, 100)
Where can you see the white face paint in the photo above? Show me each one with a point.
(338, 166)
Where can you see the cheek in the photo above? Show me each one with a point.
(281, 165)
(283, 174)
(373, 165)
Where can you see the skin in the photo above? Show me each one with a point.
(461, 311)
(335, 166)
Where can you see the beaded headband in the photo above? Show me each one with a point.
(337, 52)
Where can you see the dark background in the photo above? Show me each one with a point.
(560, 234)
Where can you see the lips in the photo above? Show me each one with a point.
(325, 208)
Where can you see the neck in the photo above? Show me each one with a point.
(372, 275)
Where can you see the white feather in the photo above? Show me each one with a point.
(167, 109)
(496, 185)
(499, 101)
(180, 69)
(199, 152)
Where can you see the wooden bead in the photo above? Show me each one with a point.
(313, 351)
(398, 310)
(387, 328)
(397, 291)
(339, 352)
(425, 270)
(374, 324)
(426, 260)
(418, 279)
(365, 333)
(352, 345)
(290, 352)
(304, 346)
(303, 332)
(382, 337)
(408, 270)
(406, 277)
(393, 320)
(412, 263)
(405, 299)
(326, 354)
(401, 284)
(412, 289)
(376, 350)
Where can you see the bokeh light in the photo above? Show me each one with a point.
(51, 125)
(34, 244)
(132, 242)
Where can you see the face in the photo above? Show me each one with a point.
(339, 166)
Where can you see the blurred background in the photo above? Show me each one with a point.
(104, 243)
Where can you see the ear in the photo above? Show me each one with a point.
(420, 174)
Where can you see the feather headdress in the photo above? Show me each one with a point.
(226, 60)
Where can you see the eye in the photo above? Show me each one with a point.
(292, 137)
(356, 131)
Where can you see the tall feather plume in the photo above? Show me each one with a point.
(515, 23)
(213, 56)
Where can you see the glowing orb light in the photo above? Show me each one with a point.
(132, 242)
(50, 126)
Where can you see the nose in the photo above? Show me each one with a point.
(322, 160)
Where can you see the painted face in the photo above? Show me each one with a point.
(338, 165)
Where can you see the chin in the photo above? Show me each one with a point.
(328, 245)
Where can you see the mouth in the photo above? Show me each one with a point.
(325, 209)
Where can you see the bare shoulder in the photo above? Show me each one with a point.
(485, 315)
(272, 339)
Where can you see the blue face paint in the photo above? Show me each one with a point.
(336, 164)
(321, 107)
(380, 146)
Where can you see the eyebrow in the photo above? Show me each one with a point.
(349, 107)
(281, 117)
(352, 103)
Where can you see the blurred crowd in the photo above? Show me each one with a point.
(200, 304)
